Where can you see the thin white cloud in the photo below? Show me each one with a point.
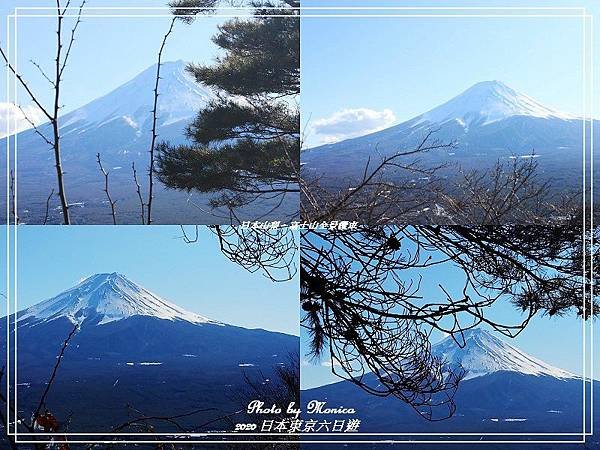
(349, 123)
(9, 113)
(330, 363)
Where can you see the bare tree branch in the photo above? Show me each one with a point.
(508, 192)
(25, 85)
(72, 38)
(365, 309)
(154, 120)
(373, 198)
(272, 252)
(13, 198)
(42, 402)
(34, 126)
(39, 68)
(60, 63)
(48, 206)
(106, 190)
(138, 189)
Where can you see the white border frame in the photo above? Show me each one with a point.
(587, 67)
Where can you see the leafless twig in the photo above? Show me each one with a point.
(138, 189)
(271, 252)
(13, 198)
(34, 126)
(110, 200)
(154, 120)
(48, 206)
(39, 68)
(373, 198)
(42, 402)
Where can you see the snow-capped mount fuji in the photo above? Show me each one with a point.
(481, 353)
(119, 123)
(104, 298)
(487, 102)
(118, 126)
(181, 97)
(504, 391)
(131, 347)
(487, 122)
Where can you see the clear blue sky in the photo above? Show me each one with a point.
(410, 65)
(195, 276)
(555, 340)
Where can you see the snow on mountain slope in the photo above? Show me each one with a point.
(107, 297)
(489, 114)
(180, 99)
(483, 354)
(487, 102)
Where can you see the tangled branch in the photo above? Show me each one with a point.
(273, 252)
(374, 198)
(365, 308)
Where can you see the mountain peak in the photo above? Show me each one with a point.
(180, 98)
(104, 298)
(487, 102)
(490, 85)
(105, 276)
(483, 353)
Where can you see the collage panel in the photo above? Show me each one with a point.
(453, 116)
(149, 331)
(187, 115)
(447, 273)
(447, 332)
